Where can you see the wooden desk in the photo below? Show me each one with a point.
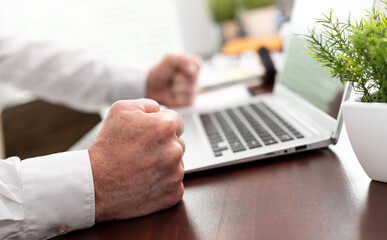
(321, 194)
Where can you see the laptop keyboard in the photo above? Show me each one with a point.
(246, 127)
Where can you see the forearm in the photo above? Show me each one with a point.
(68, 77)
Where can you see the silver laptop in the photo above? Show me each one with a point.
(302, 113)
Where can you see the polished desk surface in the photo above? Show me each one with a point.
(320, 194)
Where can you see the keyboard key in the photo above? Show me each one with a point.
(236, 146)
(278, 131)
(253, 143)
(218, 153)
(235, 143)
(249, 138)
(258, 128)
(213, 135)
(296, 133)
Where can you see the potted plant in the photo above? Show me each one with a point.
(356, 53)
(225, 13)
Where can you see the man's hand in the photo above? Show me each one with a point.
(136, 160)
(172, 82)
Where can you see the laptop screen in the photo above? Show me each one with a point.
(300, 72)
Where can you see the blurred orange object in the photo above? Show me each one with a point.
(236, 46)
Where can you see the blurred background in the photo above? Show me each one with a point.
(131, 30)
(141, 31)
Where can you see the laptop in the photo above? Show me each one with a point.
(302, 112)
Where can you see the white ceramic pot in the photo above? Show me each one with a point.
(367, 132)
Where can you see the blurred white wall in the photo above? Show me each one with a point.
(199, 34)
(115, 30)
(2, 151)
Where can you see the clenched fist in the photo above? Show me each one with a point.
(136, 160)
(173, 82)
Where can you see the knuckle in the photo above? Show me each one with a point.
(169, 57)
(132, 105)
(148, 101)
(179, 152)
(183, 146)
(170, 158)
(117, 106)
(175, 196)
(180, 192)
(167, 126)
(176, 154)
(178, 176)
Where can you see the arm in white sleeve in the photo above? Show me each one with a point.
(68, 77)
(46, 196)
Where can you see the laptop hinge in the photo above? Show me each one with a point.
(335, 134)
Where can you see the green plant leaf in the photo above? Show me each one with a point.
(355, 51)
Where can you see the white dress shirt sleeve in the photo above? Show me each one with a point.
(46, 196)
(68, 77)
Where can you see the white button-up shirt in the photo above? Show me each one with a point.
(46, 196)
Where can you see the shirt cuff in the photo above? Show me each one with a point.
(58, 193)
(129, 83)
